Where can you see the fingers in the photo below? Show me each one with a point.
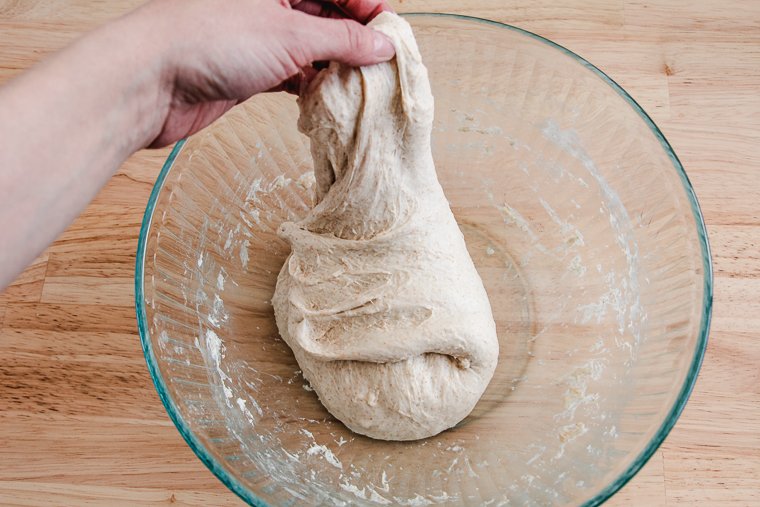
(362, 10)
(343, 40)
(318, 8)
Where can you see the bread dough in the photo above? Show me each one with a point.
(379, 299)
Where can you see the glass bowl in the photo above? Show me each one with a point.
(579, 218)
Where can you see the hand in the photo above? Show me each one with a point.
(150, 78)
(224, 51)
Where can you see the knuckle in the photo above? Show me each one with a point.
(356, 38)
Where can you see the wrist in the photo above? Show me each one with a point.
(141, 61)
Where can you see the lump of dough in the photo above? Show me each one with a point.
(379, 299)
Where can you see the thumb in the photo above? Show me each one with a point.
(345, 41)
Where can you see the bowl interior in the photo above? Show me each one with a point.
(579, 219)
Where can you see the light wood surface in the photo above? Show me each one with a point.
(80, 421)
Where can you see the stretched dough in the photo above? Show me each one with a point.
(379, 299)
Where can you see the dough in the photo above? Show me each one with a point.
(379, 299)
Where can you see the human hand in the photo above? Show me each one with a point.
(152, 77)
(224, 51)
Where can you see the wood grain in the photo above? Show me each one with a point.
(80, 421)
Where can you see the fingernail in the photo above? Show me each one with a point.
(383, 47)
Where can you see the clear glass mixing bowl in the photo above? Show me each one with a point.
(580, 220)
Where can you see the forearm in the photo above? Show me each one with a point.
(68, 124)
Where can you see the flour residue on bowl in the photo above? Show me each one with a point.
(628, 305)
(556, 242)
(213, 351)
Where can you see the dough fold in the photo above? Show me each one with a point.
(379, 299)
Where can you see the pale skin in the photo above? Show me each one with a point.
(148, 79)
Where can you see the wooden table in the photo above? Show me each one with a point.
(80, 421)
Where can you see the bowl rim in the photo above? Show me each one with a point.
(675, 411)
